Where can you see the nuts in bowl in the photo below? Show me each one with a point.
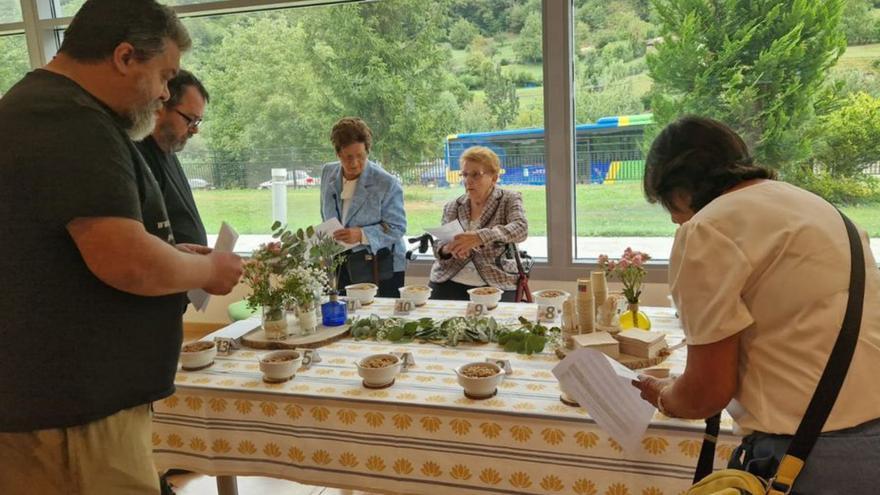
(551, 297)
(364, 293)
(480, 380)
(280, 366)
(197, 355)
(379, 370)
(487, 296)
(418, 294)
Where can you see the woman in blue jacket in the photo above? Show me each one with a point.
(368, 201)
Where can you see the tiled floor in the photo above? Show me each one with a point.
(198, 484)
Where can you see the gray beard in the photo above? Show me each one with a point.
(143, 120)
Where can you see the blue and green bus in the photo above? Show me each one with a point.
(606, 151)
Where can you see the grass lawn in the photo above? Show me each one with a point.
(859, 57)
(606, 210)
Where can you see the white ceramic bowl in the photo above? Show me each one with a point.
(487, 296)
(553, 297)
(418, 294)
(362, 292)
(379, 377)
(196, 359)
(280, 370)
(479, 387)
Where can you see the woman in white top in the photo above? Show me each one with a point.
(759, 272)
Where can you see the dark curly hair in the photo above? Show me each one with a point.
(700, 157)
(350, 130)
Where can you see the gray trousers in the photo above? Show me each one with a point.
(842, 462)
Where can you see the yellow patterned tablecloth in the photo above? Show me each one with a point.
(420, 436)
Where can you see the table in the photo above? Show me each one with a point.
(420, 436)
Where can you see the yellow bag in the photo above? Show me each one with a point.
(737, 482)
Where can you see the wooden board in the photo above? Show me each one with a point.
(323, 336)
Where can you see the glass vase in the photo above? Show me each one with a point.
(633, 318)
(333, 312)
(275, 322)
(308, 319)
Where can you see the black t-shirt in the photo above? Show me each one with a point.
(73, 349)
(179, 202)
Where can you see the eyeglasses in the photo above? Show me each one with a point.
(192, 123)
(472, 175)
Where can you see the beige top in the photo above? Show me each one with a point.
(772, 261)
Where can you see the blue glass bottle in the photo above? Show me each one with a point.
(333, 312)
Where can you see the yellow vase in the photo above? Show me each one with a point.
(633, 318)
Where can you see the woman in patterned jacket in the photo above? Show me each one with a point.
(491, 217)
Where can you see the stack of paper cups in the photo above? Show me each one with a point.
(600, 288)
(586, 309)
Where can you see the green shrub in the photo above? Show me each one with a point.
(837, 190)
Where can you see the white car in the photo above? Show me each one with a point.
(196, 183)
(295, 178)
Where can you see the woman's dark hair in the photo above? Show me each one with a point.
(350, 130)
(700, 157)
(101, 25)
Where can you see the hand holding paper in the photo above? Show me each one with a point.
(330, 226)
(447, 231)
(225, 244)
(603, 386)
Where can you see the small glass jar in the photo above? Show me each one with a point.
(334, 312)
(275, 322)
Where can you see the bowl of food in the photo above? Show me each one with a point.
(280, 366)
(551, 297)
(480, 380)
(418, 294)
(364, 293)
(197, 355)
(379, 370)
(487, 296)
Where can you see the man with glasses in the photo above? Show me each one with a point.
(176, 122)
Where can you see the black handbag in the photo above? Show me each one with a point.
(366, 267)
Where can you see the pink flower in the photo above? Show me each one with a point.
(624, 264)
(637, 259)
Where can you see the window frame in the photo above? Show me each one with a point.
(41, 26)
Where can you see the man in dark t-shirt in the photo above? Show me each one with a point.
(176, 122)
(92, 279)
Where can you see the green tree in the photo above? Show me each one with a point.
(461, 33)
(859, 26)
(528, 46)
(13, 61)
(848, 139)
(756, 65)
(501, 96)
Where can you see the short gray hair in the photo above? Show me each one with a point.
(101, 25)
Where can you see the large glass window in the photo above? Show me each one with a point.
(13, 60)
(69, 7)
(429, 78)
(10, 11)
(807, 105)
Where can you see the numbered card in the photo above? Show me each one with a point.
(406, 359)
(547, 313)
(475, 310)
(403, 307)
(224, 345)
(310, 357)
(352, 305)
(504, 364)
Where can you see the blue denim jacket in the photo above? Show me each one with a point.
(377, 208)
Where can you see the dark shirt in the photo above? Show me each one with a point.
(72, 348)
(185, 220)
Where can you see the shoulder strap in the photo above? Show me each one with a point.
(827, 389)
(835, 371)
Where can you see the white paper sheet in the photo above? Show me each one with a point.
(603, 386)
(226, 240)
(236, 330)
(447, 231)
(329, 227)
